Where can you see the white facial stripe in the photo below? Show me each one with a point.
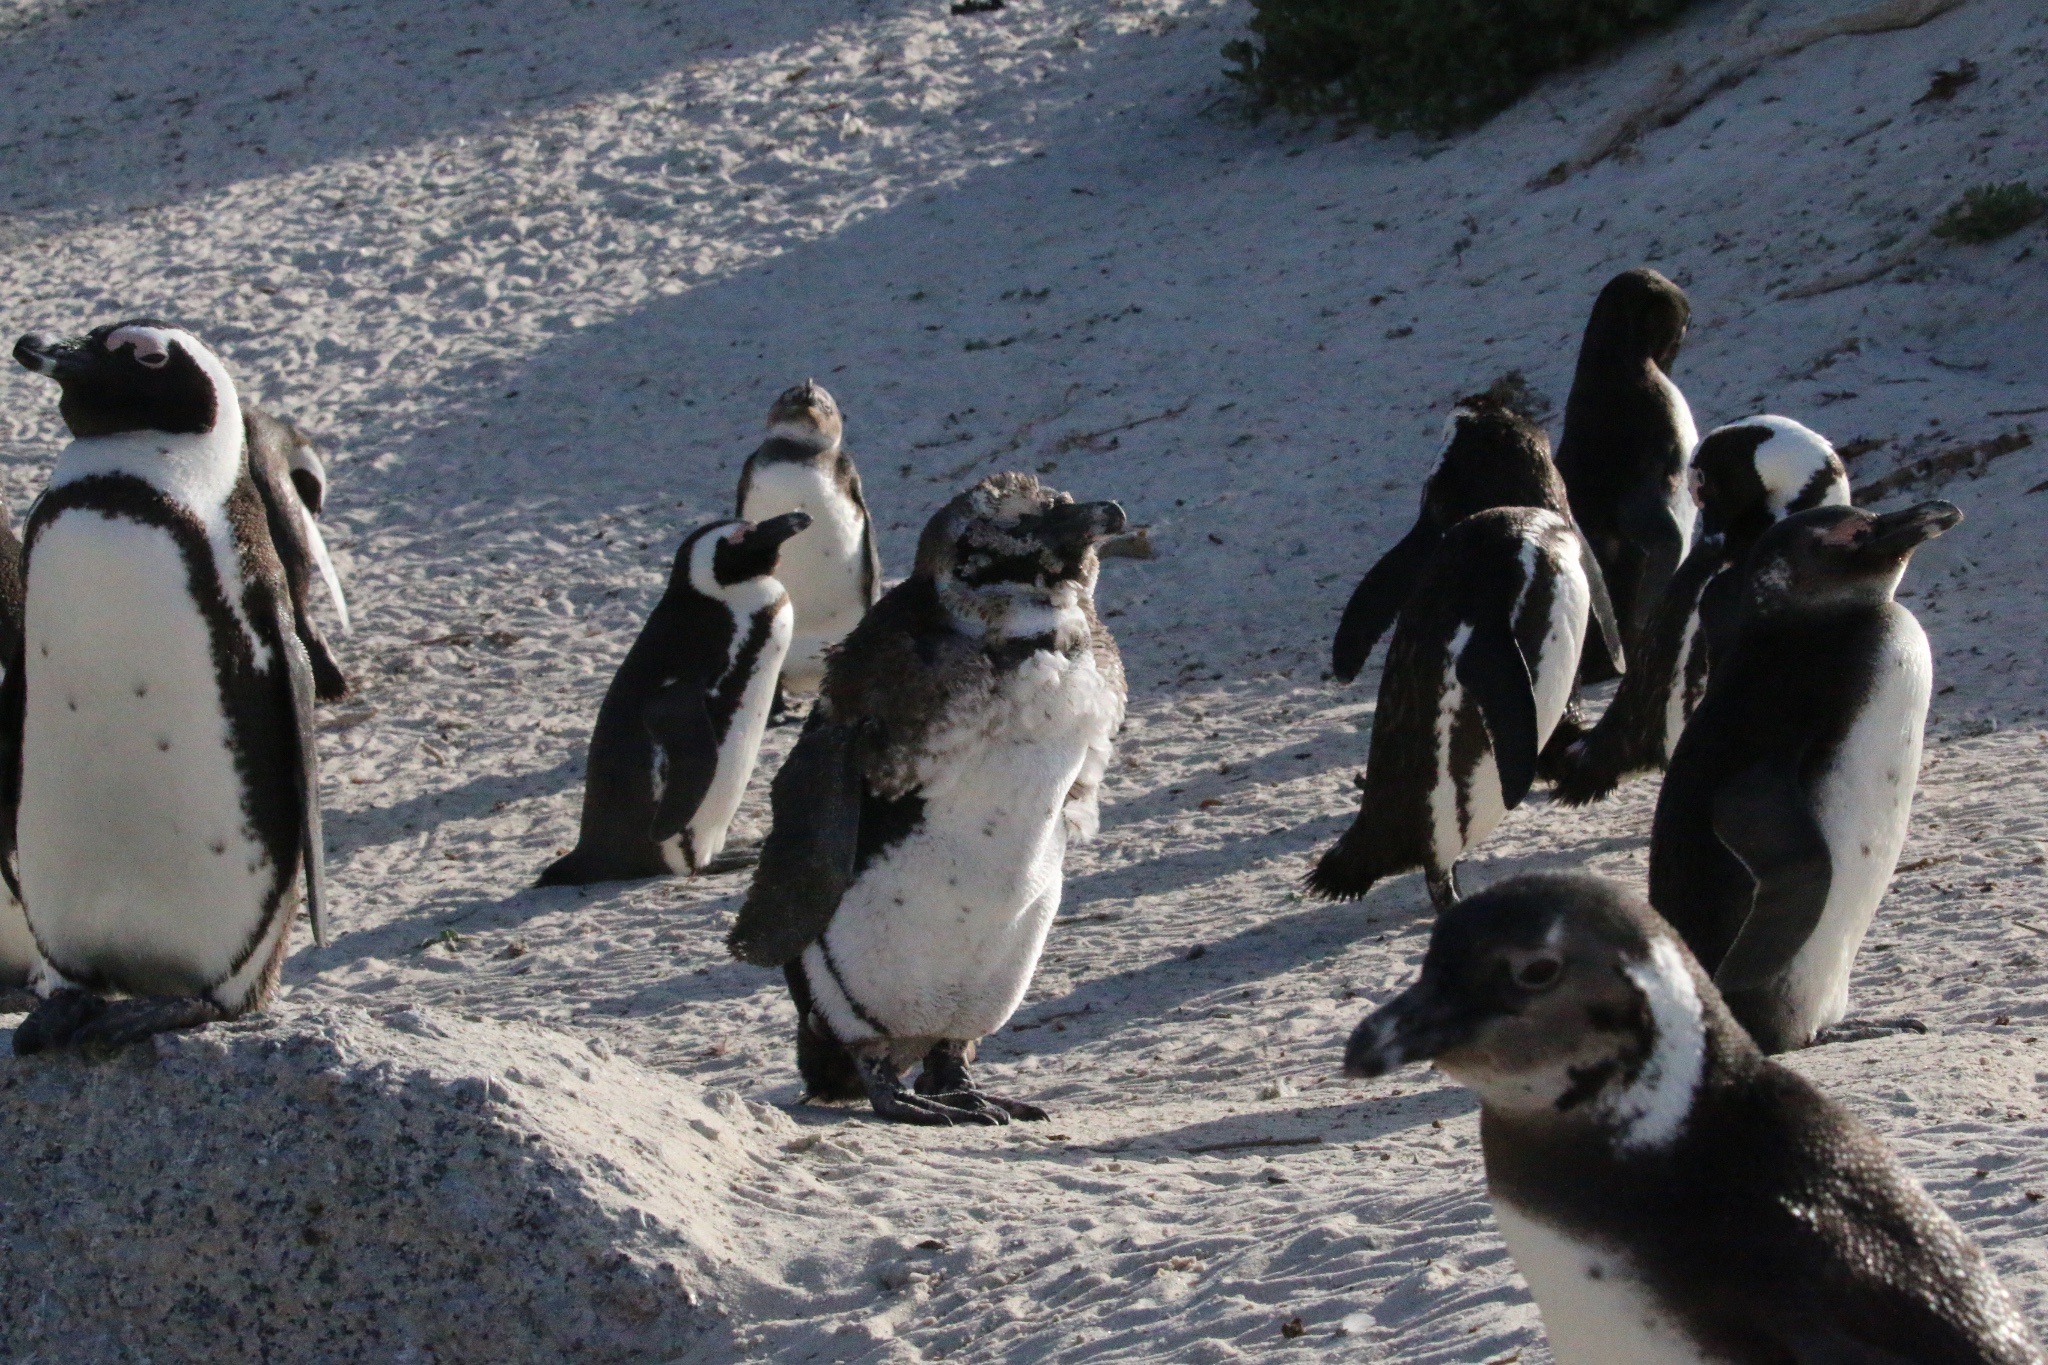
(152, 345)
(1652, 1109)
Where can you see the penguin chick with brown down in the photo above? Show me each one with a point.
(1671, 1197)
(833, 571)
(1780, 821)
(914, 863)
(1746, 476)
(292, 481)
(1491, 456)
(1628, 433)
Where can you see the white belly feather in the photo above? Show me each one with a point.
(1596, 1311)
(822, 566)
(1863, 803)
(939, 936)
(1684, 511)
(136, 857)
(742, 746)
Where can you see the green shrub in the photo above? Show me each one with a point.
(1990, 212)
(1429, 65)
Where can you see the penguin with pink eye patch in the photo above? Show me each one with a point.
(681, 724)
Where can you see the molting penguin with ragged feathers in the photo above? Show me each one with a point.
(1781, 818)
(1745, 477)
(681, 723)
(1492, 456)
(293, 481)
(1479, 674)
(1628, 433)
(914, 865)
(1671, 1197)
(159, 794)
(833, 571)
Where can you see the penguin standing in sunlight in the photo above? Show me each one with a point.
(1782, 815)
(681, 723)
(293, 484)
(158, 779)
(1671, 1197)
(1745, 477)
(833, 571)
(1477, 677)
(1491, 457)
(921, 824)
(1628, 433)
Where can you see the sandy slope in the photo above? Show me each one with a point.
(534, 274)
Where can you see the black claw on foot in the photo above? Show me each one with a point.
(732, 860)
(130, 1021)
(944, 1078)
(1443, 888)
(1862, 1030)
(891, 1100)
(57, 1021)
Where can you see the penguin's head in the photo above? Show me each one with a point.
(806, 413)
(1557, 997)
(726, 556)
(1832, 557)
(139, 375)
(1638, 316)
(1751, 473)
(1492, 457)
(1011, 539)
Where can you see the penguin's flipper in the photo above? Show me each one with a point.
(1647, 521)
(739, 502)
(298, 673)
(807, 860)
(1762, 814)
(13, 702)
(318, 544)
(679, 724)
(1606, 658)
(1379, 597)
(1492, 669)
(870, 553)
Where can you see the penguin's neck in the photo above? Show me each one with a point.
(795, 443)
(197, 471)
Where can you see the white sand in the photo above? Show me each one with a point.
(999, 241)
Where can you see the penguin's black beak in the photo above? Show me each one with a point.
(1896, 535)
(770, 534)
(1417, 1025)
(60, 360)
(1072, 527)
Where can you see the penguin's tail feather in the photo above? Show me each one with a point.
(1350, 869)
(828, 1069)
(1591, 767)
(574, 868)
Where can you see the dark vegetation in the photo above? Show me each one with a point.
(1990, 212)
(1433, 66)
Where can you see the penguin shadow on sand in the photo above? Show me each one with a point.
(1344, 1119)
(349, 831)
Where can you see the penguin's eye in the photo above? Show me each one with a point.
(156, 360)
(1539, 973)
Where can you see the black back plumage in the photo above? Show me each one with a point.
(1620, 455)
(1474, 579)
(1495, 457)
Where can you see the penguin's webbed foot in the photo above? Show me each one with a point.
(732, 860)
(56, 1021)
(891, 1100)
(944, 1078)
(1443, 887)
(1862, 1030)
(130, 1021)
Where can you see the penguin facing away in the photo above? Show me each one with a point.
(1782, 815)
(920, 825)
(1628, 433)
(1672, 1197)
(1745, 477)
(159, 794)
(293, 484)
(833, 571)
(1478, 675)
(681, 724)
(1491, 457)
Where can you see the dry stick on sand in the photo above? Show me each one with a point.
(1679, 91)
(1862, 274)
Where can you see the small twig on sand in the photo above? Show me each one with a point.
(1086, 439)
(1246, 1144)
(1678, 91)
(1862, 274)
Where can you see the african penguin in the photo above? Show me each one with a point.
(1745, 477)
(833, 571)
(17, 945)
(681, 723)
(1782, 814)
(158, 779)
(293, 484)
(913, 868)
(1478, 674)
(1627, 436)
(1491, 456)
(1672, 1197)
